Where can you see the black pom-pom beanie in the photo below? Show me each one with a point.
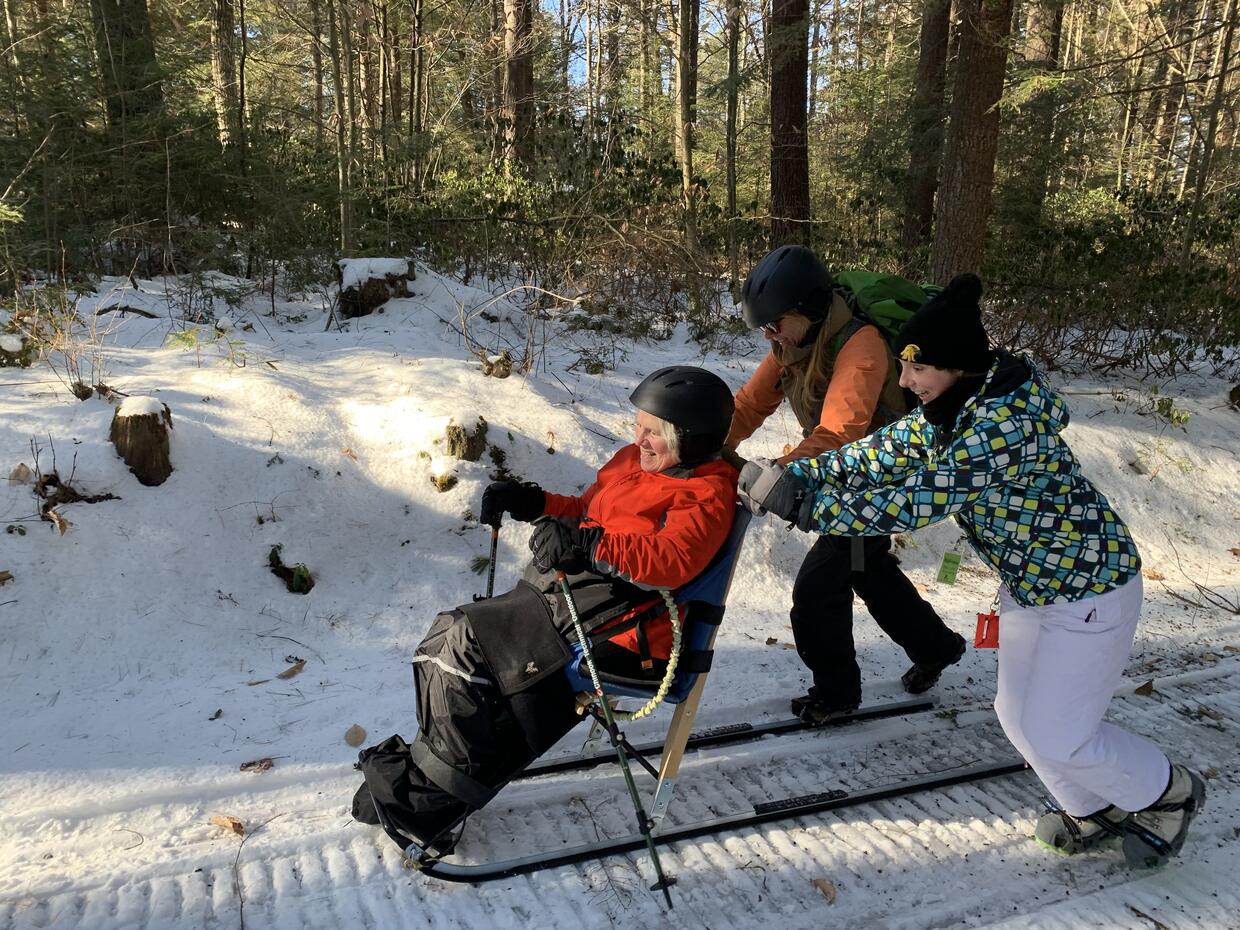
(947, 332)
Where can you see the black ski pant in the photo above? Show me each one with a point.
(822, 614)
(491, 698)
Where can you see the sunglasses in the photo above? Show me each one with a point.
(773, 328)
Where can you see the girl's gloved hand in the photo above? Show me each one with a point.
(765, 486)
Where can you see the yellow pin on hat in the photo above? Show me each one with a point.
(910, 352)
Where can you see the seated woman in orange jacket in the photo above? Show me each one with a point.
(491, 696)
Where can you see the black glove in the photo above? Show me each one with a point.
(569, 548)
(765, 486)
(524, 501)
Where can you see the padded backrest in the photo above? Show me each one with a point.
(703, 601)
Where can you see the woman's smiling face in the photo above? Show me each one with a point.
(655, 454)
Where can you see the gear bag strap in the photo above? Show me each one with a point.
(455, 782)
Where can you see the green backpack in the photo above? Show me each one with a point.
(886, 300)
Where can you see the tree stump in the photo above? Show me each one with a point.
(497, 366)
(140, 433)
(469, 441)
(368, 283)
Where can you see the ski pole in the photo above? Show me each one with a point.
(643, 822)
(491, 569)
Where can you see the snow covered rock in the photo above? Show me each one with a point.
(367, 283)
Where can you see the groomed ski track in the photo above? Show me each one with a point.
(957, 857)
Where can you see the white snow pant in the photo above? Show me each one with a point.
(1058, 667)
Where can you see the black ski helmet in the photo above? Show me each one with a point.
(695, 401)
(789, 278)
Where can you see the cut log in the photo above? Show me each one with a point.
(140, 433)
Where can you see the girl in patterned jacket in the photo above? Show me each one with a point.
(986, 447)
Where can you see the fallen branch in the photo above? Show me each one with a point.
(125, 308)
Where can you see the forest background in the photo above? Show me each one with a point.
(633, 158)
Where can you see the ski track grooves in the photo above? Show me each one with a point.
(959, 856)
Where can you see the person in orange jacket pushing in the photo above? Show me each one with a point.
(837, 373)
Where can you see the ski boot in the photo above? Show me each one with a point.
(814, 709)
(1060, 832)
(1157, 833)
(922, 676)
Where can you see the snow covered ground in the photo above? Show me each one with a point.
(140, 651)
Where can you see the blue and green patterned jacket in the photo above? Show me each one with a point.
(1003, 471)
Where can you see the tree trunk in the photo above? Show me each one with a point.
(127, 62)
(926, 140)
(733, 31)
(1043, 32)
(859, 40)
(686, 111)
(316, 59)
(1222, 61)
(342, 145)
(417, 90)
(963, 207)
(613, 72)
(16, 64)
(224, 70)
(815, 12)
(787, 52)
(518, 82)
(242, 120)
(352, 122)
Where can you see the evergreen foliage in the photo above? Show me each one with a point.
(249, 137)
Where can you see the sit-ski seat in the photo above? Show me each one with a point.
(701, 603)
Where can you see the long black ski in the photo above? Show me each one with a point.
(765, 812)
(729, 733)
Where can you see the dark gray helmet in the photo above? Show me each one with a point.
(697, 402)
(789, 278)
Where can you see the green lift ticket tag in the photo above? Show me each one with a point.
(951, 565)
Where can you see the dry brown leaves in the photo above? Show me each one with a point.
(355, 735)
(293, 670)
(231, 824)
(826, 887)
(1144, 690)
(5, 577)
(54, 518)
(258, 765)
